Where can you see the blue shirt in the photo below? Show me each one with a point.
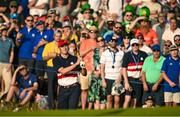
(28, 82)
(27, 41)
(5, 49)
(46, 35)
(172, 68)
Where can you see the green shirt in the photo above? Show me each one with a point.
(152, 70)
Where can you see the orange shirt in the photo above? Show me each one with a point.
(88, 58)
(150, 38)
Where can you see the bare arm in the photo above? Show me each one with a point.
(5, 18)
(13, 81)
(33, 88)
(69, 4)
(102, 71)
(133, 23)
(103, 75)
(11, 56)
(42, 6)
(143, 78)
(125, 76)
(31, 4)
(166, 78)
(51, 3)
(18, 37)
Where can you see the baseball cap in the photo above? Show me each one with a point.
(62, 43)
(133, 41)
(13, 3)
(39, 23)
(66, 24)
(149, 98)
(108, 38)
(156, 47)
(173, 47)
(50, 11)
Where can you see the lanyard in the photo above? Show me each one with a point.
(136, 62)
(113, 55)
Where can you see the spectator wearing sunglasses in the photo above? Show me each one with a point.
(87, 47)
(170, 73)
(24, 40)
(177, 42)
(111, 60)
(116, 32)
(131, 68)
(171, 31)
(165, 51)
(151, 76)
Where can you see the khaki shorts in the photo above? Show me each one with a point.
(5, 76)
(172, 97)
(84, 81)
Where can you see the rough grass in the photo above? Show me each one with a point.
(159, 111)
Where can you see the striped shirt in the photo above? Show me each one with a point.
(70, 77)
(133, 63)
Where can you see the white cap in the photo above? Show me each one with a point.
(66, 24)
(134, 40)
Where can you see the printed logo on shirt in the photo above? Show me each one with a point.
(45, 36)
(171, 64)
(33, 35)
(30, 82)
(72, 63)
(141, 58)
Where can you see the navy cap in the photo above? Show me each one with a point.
(39, 23)
(149, 98)
(156, 47)
(108, 38)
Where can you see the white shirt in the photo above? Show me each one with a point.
(169, 34)
(36, 11)
(107, 59)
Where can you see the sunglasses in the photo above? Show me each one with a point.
(176, 39)
(118, 27)
(29, 20)
(114, 40)
(91, 31)
(100, 40)
(156, 50)
(87, 12)
(13, 6)
(135, 44)
(128, 15)
(167, 45)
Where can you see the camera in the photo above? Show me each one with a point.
(82, 64)
(84, 35)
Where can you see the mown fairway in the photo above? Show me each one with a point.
(163, 111)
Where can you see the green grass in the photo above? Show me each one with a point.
(160, 111)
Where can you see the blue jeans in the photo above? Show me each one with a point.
(69, 97)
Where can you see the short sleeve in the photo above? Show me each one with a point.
(103, 58)
(144, 67)
(164, 66)
(125, 60)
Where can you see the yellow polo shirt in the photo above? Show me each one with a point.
(51, 47)
(72, 37)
